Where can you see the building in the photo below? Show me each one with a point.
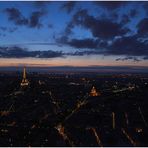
(24, 82)
(94, 93)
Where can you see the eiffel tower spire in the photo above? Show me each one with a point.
(24, 82)
(24, 73)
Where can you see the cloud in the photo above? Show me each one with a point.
(111, 5)
(145, 6)
(143, 26)
(108, 34)
(86, 43)
(69, 6)
(83, 43)
(85, 52)
(109, 37)
(125, 19)
(101, 28)
(17, 18)
(18, 52)
(15, 15)
(130, 46)
(133, 12)
(134, 59)
(145, 58)
(38, 43)
(34, 20)
(68, 29)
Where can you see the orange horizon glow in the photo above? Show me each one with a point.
(69, 61)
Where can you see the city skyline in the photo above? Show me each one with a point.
(73, 33)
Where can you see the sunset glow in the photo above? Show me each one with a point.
(73, 34)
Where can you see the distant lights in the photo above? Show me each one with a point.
(139, 130)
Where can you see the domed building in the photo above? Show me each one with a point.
(94, 93)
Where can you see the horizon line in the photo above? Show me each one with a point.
(48, 66)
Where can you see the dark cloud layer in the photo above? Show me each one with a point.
(18, 52)
(134, 59)
(35, 19)
(128, 46)
(85, 52)
(110, 35)
(133, 13)
(143, 26)
(17, 18)
(145, 58)
(111, 5)
(125, 46)
(69, 6)
(87, 43)
(104, 30)
(101, 28)
(125, 19)
(80, 43)
(145, 6)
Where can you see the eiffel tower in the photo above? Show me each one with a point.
(24, 82)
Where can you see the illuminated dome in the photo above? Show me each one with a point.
(93, 92)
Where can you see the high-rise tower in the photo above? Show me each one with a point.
(24, 82)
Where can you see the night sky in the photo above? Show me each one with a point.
(74, 33)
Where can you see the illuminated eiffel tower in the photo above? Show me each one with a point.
(24, 82)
